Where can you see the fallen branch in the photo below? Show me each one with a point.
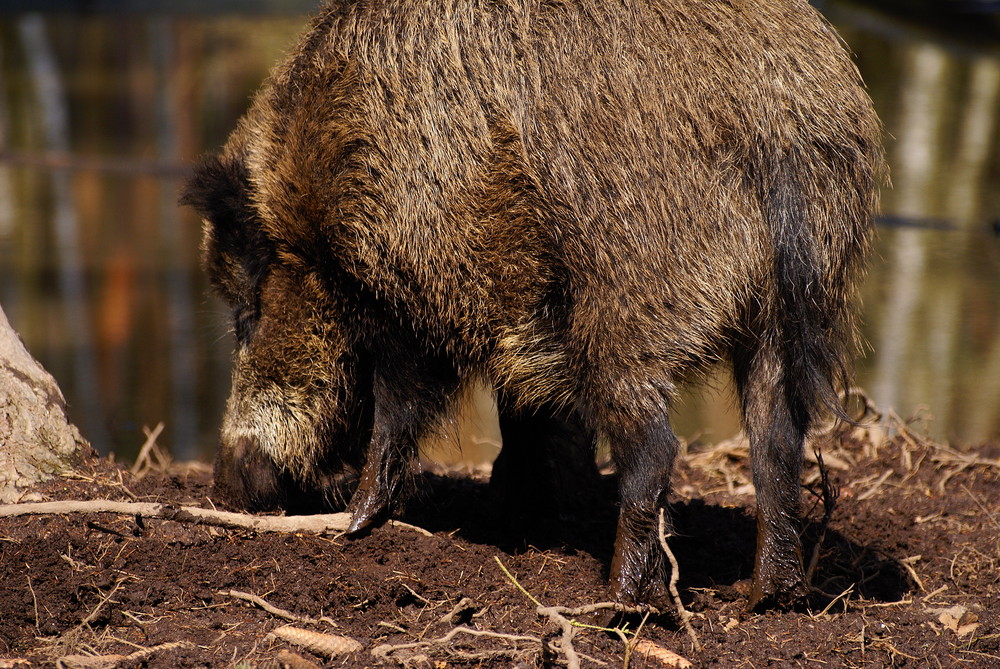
(319, 523)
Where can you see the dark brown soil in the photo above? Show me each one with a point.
(912, 550)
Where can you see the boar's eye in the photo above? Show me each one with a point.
(244, 322)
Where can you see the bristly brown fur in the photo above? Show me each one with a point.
(584, 202)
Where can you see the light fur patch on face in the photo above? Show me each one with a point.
(284, 424)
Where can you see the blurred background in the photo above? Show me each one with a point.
(105, 104)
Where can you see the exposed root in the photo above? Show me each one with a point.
(563, 616)
(464, 607)
(384, 651)
(273, 610)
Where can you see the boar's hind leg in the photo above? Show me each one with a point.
(407, 402)
(776, 424)
(644, 458)
(545, 471)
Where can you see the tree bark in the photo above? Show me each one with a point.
(37, 441)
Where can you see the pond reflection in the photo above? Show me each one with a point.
(99, 119)
(100, 115)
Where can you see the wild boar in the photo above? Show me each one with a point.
(583, 203)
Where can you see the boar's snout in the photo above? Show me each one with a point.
(247, 478)
(273, 455)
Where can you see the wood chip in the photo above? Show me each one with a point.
(289, 660)
(958, 619)
(327, 645)
(667, 658)
(112, 661)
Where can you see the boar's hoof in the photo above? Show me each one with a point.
(772, 592)
(369, 508)
(637, 579)
(639, 592)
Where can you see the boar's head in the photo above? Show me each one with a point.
(299, 411)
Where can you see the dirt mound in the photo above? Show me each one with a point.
(910, 558)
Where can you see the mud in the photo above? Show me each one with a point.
(910, 559)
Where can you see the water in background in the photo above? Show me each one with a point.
(101, 115)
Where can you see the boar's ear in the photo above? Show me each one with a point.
(235, 252)
(219, 189)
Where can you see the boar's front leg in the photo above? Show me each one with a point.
(644, 457)
(384, 476)
(408, 400)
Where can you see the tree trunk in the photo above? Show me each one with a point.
(37, 440)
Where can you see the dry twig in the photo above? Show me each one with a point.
(107, 598)
(828, 495)
(908, 565)
(836, 599)
(682, 613)
(144, 461)
(875, 486)
(989, 514)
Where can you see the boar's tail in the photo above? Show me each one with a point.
(812, 315)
